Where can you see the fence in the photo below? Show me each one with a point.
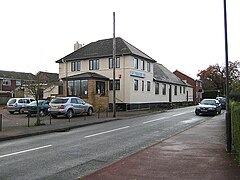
(235, 113)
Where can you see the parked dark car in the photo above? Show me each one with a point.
(42, 105)
(208, 106)
(222, 101)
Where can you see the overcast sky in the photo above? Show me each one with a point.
(187, 35)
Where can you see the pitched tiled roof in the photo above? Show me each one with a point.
(48, 77)
(103, 48)
(87, 75)
(16, 75)
(162, 74)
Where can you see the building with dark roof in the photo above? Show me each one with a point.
(140, 81)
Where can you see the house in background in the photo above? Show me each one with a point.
(196, 84)
(50, 84)
(11, 83)
(14, 84)
(140, 81)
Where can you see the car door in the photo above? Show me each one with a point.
(81, 105)
(75, 105)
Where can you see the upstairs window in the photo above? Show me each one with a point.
(6, 82)
(148, 67)
(75, 66)
(135, 63)
(94, 64)
(142, 64)
(117, 63)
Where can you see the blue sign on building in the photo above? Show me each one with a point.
(137, 74)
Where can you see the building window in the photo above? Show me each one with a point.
(175, 90)
(117, 63)
(6, 82)
(100, 87)
(184, 90)
(142, 64)
(180, 89)
(18, 83)
(164, 88)
(135, 84)
(135, 63)
(75, 66)
(156, 88)
(117, 84)
(94, 64)
(142, 85)
(148, 86)
(78, 88)
(148, 67)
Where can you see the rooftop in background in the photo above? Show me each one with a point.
(16, 75)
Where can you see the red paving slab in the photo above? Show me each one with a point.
(195, 154)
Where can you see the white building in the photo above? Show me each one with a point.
(140, 81)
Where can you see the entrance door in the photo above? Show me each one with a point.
(170, 93)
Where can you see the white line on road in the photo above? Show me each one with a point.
(178, 114)
(154, 120)
(24, 151)
(106, 132)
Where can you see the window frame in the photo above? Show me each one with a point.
(117, 63)
(94, 64)
(135, 84)
(148, 86)
(135, 63)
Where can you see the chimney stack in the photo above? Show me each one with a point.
(77, 46)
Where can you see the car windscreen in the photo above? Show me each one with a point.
(59, 101)
(208, 102)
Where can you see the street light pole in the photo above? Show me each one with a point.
(228, 113)
(114, 67)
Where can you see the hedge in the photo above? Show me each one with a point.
(235, 114)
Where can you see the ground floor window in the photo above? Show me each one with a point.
(135, 84)
(164, 88)
(78, 88)
(175, 90)
(117, 84)
(156, 88)
(100, 87)
(148, 86)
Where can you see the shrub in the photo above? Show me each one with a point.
(235, 111)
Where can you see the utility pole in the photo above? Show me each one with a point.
(114, 67)
(228, 113)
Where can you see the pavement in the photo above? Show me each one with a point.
(198, 153)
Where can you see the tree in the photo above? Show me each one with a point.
(35, 87)
(214, 76)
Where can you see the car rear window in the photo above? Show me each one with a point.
(12, 101)
(59, 100)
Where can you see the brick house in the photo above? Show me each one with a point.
(10, 83)
(196, 84)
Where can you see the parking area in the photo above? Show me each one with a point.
(16, 120)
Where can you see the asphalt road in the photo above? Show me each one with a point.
(68, 155)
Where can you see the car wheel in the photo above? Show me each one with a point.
(197, 113)
(219, 112)
(21, 111)
(70, 113)
(90, 111)
(53, 115)
(41, 113)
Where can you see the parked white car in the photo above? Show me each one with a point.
(18, 104)
(69, 107)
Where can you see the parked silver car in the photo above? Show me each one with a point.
(18, 104)
(69, 106)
